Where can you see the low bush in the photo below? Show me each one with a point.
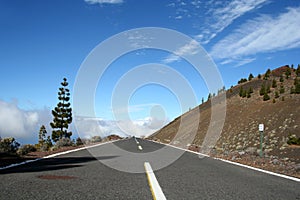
(79, 141)
(25, 149)
(63, 142)
(8, 145)
(293, 140)
(95, 139)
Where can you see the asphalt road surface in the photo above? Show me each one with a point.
(118, 171)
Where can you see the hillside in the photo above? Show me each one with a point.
(239, 139)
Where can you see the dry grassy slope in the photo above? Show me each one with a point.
(243, 115)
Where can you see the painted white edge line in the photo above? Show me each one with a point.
(56, 154)
(235, 163)
(153, 183)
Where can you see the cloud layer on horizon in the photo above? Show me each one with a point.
(24, 125)
(19, 123)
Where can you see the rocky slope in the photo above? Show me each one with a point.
(239, 138)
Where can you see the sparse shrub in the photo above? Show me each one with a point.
(293, 140)
(248, 94)
(79, 141)
(282, 98)
(9, 145)
(281, 78)
(276, 95)
(281, 90)
(95, 139)
(63, 142)
(274, 101)
(292, 90)
(25, 149)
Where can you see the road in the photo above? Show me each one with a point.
(100, 173)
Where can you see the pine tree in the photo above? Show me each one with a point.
(267, 74)
(209, 97)
(288, 73)
(250, 77)
(250, 90)
(268, 89)
(42, 135)
(274, 83)
(266, 97)
(62, 114)
(259, 76)
(298, 70)
(241, 91)
(262, 90)
(297, 86)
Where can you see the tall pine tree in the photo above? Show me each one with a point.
(62, 114)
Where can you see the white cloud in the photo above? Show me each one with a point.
(178, 17)
(222, 15)
(189, 49)
(263, 34)
(21, 124)
(104, 1)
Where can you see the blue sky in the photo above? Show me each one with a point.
(43, 41)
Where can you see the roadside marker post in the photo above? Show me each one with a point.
(261, 131)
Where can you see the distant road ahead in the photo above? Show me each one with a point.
(79, 175)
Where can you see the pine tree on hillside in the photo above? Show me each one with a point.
(267, 74)
(297, 85)
(268, 88)
(262, 90)
(298, 70)
(209, 97)
(266, 97)
(259, 76)
(281, 78)
(62, 114)
(42, 135)
(274, 83)
(281, 90)
(288, 73)
(250, 77)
